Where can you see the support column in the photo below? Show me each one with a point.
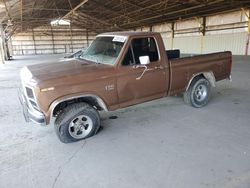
(10, 47)
(203, 31)
(52, 36)
(248, 30)
(151, 28)
(1, 52)
(248, 34)
(34, 41)
(172, 38)
(87, 35)
(3, 47)
(249, 21)
(71, 42)
(248, 38)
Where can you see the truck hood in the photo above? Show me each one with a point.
(73, 69)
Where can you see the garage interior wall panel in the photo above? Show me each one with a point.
(224, 32)
(189, 39)
(166, 33)
(56, 39)
(187, 24)
(162, 28)
(167, 41)
(228, 18)
(145, 29)
(235, 42)
(188, 44)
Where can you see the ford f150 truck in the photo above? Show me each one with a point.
(117, 70)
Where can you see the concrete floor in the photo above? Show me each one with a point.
(158, 144)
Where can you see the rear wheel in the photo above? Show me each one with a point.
(76, 122)
(198, 93)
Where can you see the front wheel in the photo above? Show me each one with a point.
(76, 122)
(198, 93)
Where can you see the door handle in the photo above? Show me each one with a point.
(159, 67)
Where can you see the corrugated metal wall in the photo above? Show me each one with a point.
(165, 30)
(235, 42)
(187, 36)
(188, 44)
(189, 39)
(50, 40)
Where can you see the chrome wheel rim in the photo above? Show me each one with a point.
(80, 126)
(200, 92)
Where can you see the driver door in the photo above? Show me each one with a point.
(153, 83)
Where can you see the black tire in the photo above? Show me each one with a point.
(198, 93)
(74, 112)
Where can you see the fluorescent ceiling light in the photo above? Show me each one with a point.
(2, 5)
(59, 22)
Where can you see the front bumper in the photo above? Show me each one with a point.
(29, 113)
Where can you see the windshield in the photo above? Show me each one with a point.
(104, 50)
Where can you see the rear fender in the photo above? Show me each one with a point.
(208, 75)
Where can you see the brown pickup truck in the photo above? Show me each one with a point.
(118, 70)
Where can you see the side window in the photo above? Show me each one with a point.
(145, 47)
(128, 59)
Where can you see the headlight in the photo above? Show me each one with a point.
(25, 74)
(27, 77)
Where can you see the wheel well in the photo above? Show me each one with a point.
(207, 75)
(199, 76)
(92, 101)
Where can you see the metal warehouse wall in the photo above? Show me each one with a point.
(223, 32)
(235, 42)
(57, 39)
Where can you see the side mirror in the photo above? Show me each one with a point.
(144, 60)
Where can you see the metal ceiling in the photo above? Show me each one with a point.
(108, 15)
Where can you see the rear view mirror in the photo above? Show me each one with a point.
(144, 60)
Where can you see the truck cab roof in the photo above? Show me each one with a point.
(129, 33)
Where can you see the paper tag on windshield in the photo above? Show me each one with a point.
(119, 39)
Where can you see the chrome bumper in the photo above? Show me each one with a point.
(29, 113)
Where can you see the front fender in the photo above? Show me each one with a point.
(59, 100)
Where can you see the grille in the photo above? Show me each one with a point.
(29, 93)
(31, 98)
(33, 103)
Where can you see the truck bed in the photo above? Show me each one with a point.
(183, 69)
